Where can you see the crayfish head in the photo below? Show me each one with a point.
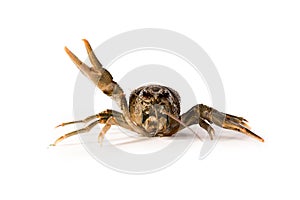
(148, 106)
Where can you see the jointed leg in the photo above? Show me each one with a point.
(83, 130)
(106, 117)
(111, 121)
(202, 113)
(207, 127)
(86, 120)
(238, 120)
(103, 116)
(232, 122)
(192, 117)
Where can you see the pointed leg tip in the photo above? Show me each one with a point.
(245, 120)
(100, 141)
(262, 140)
(86, 43)
(66, 49)
(256, 136)
(259, 138)
(246, 125)
(59, 125)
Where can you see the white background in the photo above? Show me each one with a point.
(255, 46)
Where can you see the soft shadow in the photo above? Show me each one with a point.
(224, 136)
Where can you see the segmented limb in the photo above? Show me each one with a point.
(82, 130)
(192, 117)
(104, 81)
(86, 120)
(111, 121)
(106, 117)
(239, 120)
(207, 127)
(200, 113)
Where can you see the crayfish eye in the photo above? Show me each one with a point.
(164, 95)
(146, 94)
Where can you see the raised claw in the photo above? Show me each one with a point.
(100, 76)
(104, 81)
(94, 60)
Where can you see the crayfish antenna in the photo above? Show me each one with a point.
(180, 122)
